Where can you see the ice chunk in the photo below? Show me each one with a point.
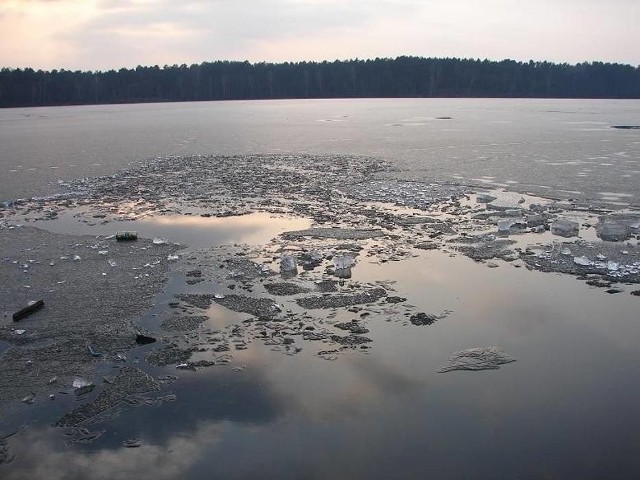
(483, 358)
(582, 261)
(288, 264)
(505, 202)
(484, 198)
(342, 262)
(534, 220)
(612, 231)
(507, 226)
(80, 382)
(513, 212)
(82, 386)
(504, 226)
(565, 228)
(316, 256)
(159, 241)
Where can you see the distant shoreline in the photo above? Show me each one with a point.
(402, 77)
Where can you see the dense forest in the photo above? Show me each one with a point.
(382, 77)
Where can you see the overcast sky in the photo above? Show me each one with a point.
(104, 34)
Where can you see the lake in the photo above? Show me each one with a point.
(561, 147)
(566, 408)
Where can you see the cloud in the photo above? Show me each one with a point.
(176, 32)
(114, 33)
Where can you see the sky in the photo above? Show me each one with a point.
(106, 34)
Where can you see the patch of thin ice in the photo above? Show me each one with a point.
(481, 358)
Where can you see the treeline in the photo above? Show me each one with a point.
(382, 77)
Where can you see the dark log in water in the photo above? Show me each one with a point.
(28, 310)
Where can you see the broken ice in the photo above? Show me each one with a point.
(343, 262)
(565, 228)
(582, 261)
(288, 264)
(482, 358)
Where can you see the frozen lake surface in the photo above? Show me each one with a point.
(555, 147)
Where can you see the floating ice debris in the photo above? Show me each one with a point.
(80, 382)
(513, 212)
(422, 318)
(505, 204)
(29, 399)
(159, 241)
(582, 261)
(82, 386)
(316, 256)
(613, 232)
(483, 358)
(173, 258)
(132, 443)
(504, 226)
(112, 263)
(613, 266)
(218, 296)
(77, 258)
(103, 252)
(565, 228)
(601, 257)
(565, 251)
(343, 262)
(508, 226)
(288, 264)
(19, 332)
(535, 220)
(485, 198)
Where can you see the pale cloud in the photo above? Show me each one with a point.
(105, 34)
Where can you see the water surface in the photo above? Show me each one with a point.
(558, 147)
(568, 408)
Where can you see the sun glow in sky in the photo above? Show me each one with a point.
(105, 34)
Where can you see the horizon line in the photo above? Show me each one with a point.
(337, 60)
